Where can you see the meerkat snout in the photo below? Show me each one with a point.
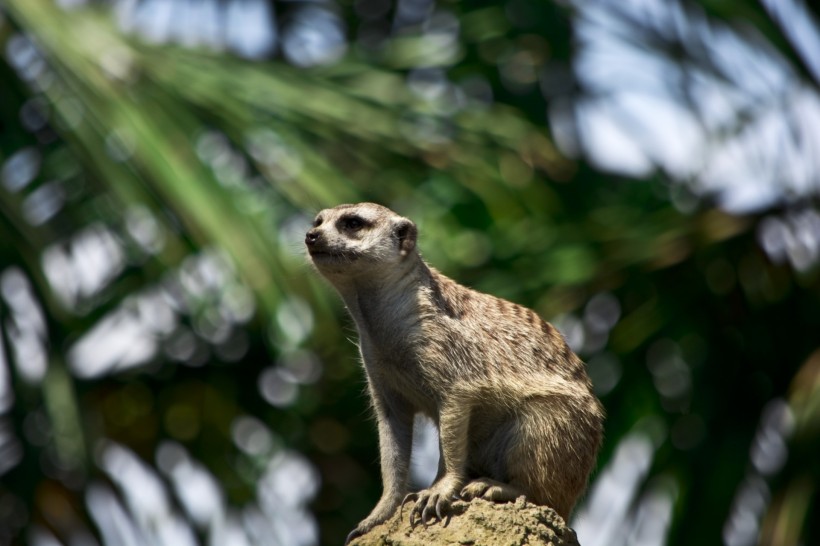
(311, 237)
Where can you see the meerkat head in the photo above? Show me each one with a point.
(353, 240)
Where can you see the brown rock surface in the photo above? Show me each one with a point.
(476, 523)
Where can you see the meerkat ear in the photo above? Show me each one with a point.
(406, 232)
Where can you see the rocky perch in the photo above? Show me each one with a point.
(476, 523)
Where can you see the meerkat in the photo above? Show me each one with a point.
(512, 403)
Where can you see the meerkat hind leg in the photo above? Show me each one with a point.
(491, 490)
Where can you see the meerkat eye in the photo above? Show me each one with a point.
(353, 223)
(317, 222)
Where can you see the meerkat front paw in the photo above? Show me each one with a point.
(433, 504)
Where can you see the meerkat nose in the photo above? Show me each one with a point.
(311, 237)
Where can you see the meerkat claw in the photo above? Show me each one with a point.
(438, 511)
(355, 533)
(410, 497)
(416, 516)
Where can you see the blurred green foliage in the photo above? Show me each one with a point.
(155, 295)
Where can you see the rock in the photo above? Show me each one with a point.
(476, 523)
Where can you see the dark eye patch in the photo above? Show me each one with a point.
(354, 223)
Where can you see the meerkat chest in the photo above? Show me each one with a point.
(401, 368)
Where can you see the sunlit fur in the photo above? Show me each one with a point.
(513, 404)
